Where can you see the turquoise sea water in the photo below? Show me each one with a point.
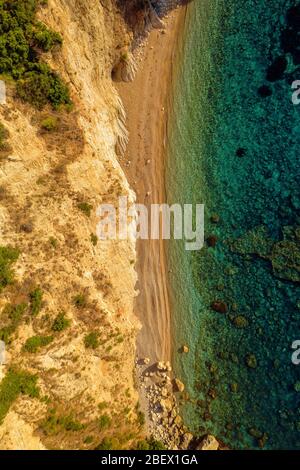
(237, 152)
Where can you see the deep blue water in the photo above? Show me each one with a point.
(236, 151)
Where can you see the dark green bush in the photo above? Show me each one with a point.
(91, 340)
(16, 383)
(3, 138)
(49, 124)
(104, 422)
(46, 39)
(108, 443)
(21, 35)
(8, 256)
(85, 208)
(36, 342)
(13, 314)
(54, 423)
(79, 300)
(36, 300)
(94, 239)
(150, 444)
(61, 322)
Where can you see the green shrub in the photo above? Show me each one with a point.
(20, 35)
(150, 444)
(36, 301)
(54, 423)
(8, 256)
(141, 418)
(91, 340)
(94, 239)
(102, 405)
(46, 39)
(61, 322)
(53, 242)
(79, 300)
(3, 137)
(38, 87)
(104, 422)
(36, 342)
(49, 124)
(13, 314)
(108, 443)
(5, 334)
(85, 208)
(14, 384)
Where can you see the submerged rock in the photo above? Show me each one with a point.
(215, 218)
(212, 241)
(264, 91)
(255, 433)
(219, 306)
(277, 68)
(251, 361)
(240, 321)
(241, 152)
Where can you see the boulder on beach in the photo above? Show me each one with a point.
(185, 349)
(164, 366)
(209, 442)
(179, 386)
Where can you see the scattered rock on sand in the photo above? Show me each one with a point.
(179, 386)
(208, 443)
(186, 440)
(164, 366)
(146, 360)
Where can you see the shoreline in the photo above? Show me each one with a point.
(147, 103)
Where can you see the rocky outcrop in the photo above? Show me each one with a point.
(164, 422)
(209, 442)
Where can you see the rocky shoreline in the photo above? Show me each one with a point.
(158, 389)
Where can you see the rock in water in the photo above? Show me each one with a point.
(219, 306)
(208, 443)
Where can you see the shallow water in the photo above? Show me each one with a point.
(228, 48)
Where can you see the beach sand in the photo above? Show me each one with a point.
(147, 105)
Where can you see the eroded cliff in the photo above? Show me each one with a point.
(68, 287)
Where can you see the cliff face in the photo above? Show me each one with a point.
(51, 184)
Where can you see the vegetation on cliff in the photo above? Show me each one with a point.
(14, 384)
(22, 40)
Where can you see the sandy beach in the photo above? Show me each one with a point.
(146, 102)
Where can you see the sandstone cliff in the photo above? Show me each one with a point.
(51, 184)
